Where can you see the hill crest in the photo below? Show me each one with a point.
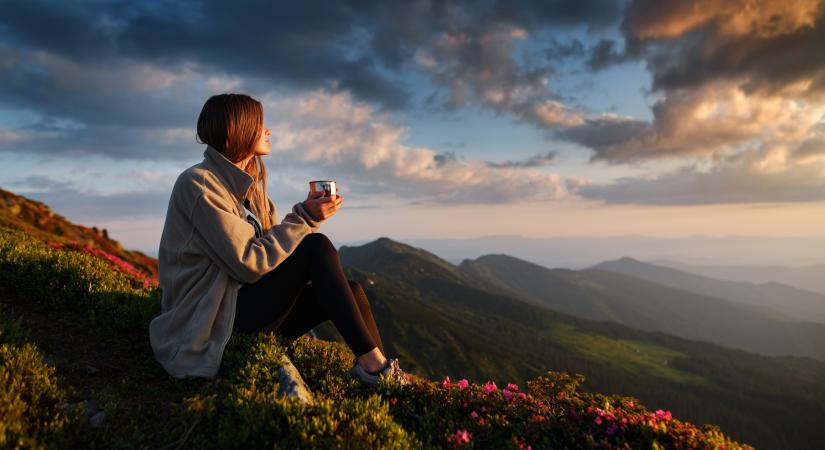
(40, 221)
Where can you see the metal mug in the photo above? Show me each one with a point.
(325, 186)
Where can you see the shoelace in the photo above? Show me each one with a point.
(395, 371)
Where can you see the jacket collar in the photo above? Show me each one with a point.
(236, 180)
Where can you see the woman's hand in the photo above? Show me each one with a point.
(322, 208)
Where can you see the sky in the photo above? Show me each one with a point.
(438, 119)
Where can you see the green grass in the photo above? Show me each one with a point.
(75, 310)
(644, 359)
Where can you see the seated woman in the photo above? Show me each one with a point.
(226, 263)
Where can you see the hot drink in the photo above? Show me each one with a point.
(325, 186)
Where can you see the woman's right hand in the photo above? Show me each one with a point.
(322, 208)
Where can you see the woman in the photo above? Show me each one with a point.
(226, 263)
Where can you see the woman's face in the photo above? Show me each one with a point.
(262, 145)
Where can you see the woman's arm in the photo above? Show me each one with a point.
(231, 241)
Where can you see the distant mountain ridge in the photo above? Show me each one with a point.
(605, 295)
(809, 278)
(39, 221)
(778, 299)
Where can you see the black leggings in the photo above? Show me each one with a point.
(283, 301)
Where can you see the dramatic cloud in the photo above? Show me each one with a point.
(108, 78)
(728, 75)
(364, 148)
(770, 173)
(479, 66)
(715, 118)
(127, 80)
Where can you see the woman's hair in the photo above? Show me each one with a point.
(232, 124)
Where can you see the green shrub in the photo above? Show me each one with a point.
(30, 398)
(33, 271)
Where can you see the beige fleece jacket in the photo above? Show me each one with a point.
(207, 252)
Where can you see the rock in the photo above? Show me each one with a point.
(97, 419)
(90, 407)
(291, 384)
(90, 411)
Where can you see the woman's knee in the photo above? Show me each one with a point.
(319, 242)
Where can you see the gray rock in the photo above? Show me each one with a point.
(97, 419)
(291, 384)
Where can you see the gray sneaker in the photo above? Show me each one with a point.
(391, 371)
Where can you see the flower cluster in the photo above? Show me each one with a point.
(459, 438)
(553, 415)
(119, 264)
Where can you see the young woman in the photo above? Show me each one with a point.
(226, 263)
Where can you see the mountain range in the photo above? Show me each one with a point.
(440, 318)
(807, 277)
(772, 320)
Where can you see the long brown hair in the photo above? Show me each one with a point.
(232, 124)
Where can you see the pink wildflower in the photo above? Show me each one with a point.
(459, 437)
(512, 387)
(663, 415)
(521, 395)
(474, 415)
(446, 382)
(490, 387)
(598, 420)
(630, 404)
(507, 394)
(463, 383)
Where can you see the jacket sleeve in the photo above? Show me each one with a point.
(232, 243)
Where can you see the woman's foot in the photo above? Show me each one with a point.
(372, 361)
(390, 371)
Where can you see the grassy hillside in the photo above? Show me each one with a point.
(39, 221)
(443, 324)
(74, 348)
(645, 304)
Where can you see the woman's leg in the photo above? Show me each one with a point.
(306, 314)
(265, 305)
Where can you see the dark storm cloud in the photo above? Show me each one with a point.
(533, 14)
(441, 159)
(137, 68)
(604, 134)
(724, 72)
(540, 160)
(768, 45)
